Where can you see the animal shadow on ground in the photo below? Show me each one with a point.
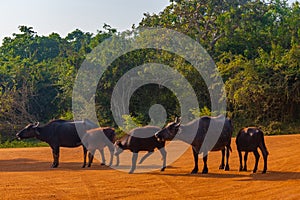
(29, 165)
(274, 176)
(243, 176)
(209, 175)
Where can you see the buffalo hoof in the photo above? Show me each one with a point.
(204, 171)
(221, 167)
(254, 171)
(83, 166)
(227, 168)
(195, 171)
(131, 172)
(265, 171)
(102, 163)
(54, 165)
(162, 169)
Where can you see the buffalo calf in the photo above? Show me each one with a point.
(141, 139)
(99, 138)
(248, 140)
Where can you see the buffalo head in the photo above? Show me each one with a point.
(169, 132)
(28, 132)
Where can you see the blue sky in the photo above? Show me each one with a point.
(64, 16)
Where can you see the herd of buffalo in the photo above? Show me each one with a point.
(85, 133)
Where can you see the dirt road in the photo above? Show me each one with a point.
(25, 174)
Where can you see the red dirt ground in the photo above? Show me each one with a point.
(25, 174)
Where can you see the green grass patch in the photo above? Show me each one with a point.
(23, 143)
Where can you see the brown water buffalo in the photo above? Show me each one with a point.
(58, 133)
(248, 140)
(141, 139)
(200, 127)
(99, 138)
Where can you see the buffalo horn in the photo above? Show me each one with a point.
(36, 124)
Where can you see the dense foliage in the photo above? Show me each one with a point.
(255, 44)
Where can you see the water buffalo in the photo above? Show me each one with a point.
(99, 138)
(200, 127)
(141, 139)
(58, 133)
(248, 140)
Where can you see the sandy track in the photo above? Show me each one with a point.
(25, 174)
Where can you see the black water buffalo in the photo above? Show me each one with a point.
(58, 133)
(200, 127)
(248, 140)
(141, 139)
(99, 138)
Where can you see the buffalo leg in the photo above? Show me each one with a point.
(195, 154)
(91, 157)
(205, 168)
(222, 165)
(149, 153)
(118, 160)
(241, 160)
(164, 157)
(84, 156)
(133, 164)
(245, 161)
(256, 154)
(55, 153)
(227, 158)
(102, 156)
(265, 156)
(111, 151)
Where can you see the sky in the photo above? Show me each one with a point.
(64, 16)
